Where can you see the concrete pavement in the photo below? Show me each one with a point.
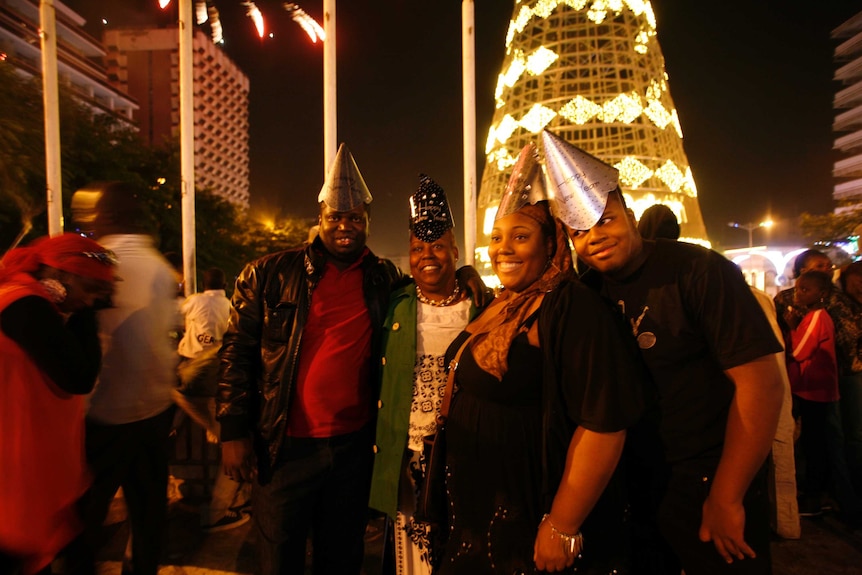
(826, 548)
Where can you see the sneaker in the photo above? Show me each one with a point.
(230, 520)
(243, 508)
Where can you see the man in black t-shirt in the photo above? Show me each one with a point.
(709, 349)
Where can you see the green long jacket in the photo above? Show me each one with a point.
(396, 397)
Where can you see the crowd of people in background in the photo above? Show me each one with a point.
(609, 408)
(820, 321)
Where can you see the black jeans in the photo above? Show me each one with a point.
(133, 456)
(317, 485)
(680, 514)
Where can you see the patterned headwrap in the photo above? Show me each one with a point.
(430, 216)
(69, 252)
(491, 349)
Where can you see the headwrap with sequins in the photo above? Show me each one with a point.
(69, 252)
(491, 349)
(430, 216)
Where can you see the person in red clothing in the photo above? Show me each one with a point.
(297, 393)
(49, 359)
(813, 372)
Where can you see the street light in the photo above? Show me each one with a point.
(750, 227)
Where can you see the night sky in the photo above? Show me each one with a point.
(752, 83)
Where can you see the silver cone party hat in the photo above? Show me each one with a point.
(579, 182)
(526, 184)
(344, 188)
(430, 216)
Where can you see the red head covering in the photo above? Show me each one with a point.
(71, 253)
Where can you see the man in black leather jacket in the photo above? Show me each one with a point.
(296, 398)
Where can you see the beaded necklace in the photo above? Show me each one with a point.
(439, 303)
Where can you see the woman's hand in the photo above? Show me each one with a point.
(552, 552)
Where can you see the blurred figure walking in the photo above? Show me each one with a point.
(49, 359)
(131, 407)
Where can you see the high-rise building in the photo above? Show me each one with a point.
(145, 63)
(848, 114)
(593, 73)
(79, 56)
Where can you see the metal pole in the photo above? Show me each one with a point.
(187, 144)
(51, 103)
(330, 101)
(468, 72)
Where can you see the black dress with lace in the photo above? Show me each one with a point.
(507, 440)
(494, 446)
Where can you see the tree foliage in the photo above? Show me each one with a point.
(831, 226)
(99, 147)
(830, 233)
(21, 152)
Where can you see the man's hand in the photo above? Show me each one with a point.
(237, 459)
(724, 525)
(468, 276)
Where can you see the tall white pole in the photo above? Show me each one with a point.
(187, 144)
(330, 101)
(468, 72)
(51, 102)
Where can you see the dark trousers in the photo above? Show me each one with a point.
(14, 565)
(133, 456)
(851, 415)
(681, 510)
(317, 485)
(822, 448)
(813, 444)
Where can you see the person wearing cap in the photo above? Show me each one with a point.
(546, 385)
(131, 408)
(423, 319)
(297, 384)
(710, 351)
(49, 360)
(206, 315)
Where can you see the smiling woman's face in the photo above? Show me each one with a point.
(519, 251)
(432, 264)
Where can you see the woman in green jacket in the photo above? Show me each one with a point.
(423, 319)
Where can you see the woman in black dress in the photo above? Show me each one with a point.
(545, 388)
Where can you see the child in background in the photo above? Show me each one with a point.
(813, 375)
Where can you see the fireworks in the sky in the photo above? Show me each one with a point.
(206, 11)
(253, 12)
(306, 22)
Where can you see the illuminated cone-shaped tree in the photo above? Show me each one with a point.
(592, 72)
